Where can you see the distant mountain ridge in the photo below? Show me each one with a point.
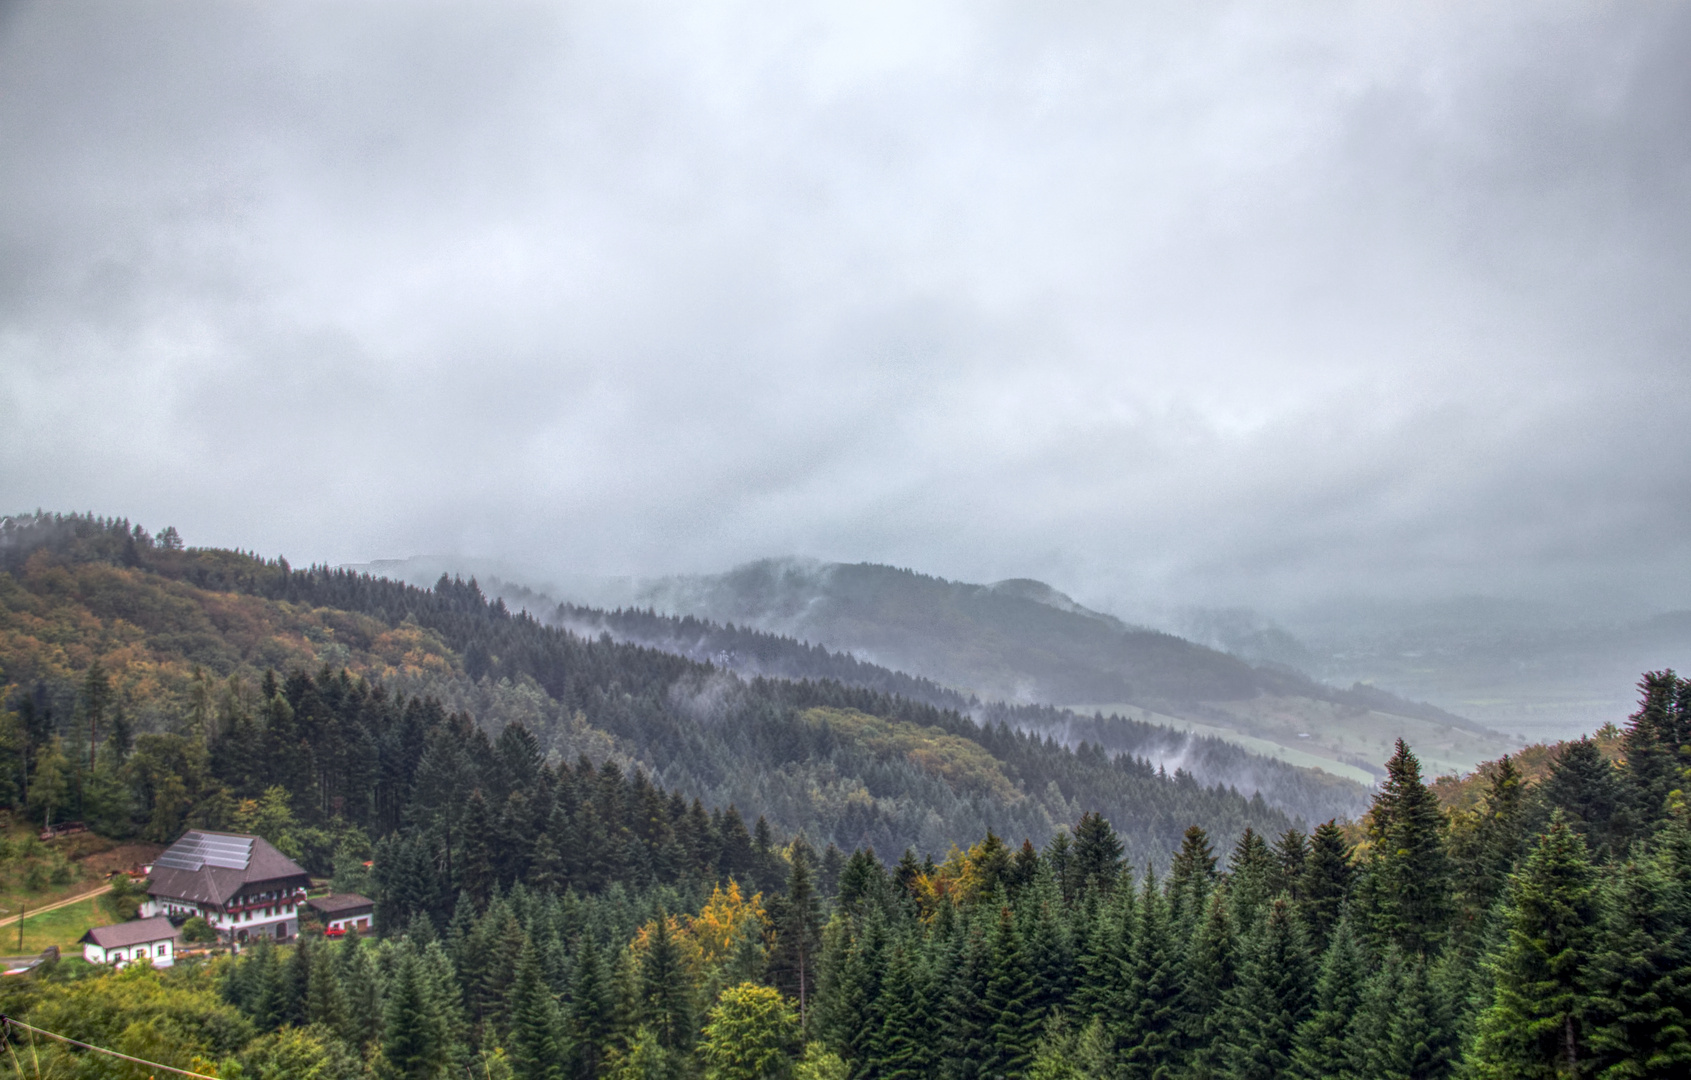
(756, 654)
(1022, 641)
(1015, 640)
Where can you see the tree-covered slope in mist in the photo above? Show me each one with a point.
(1022, 641)
(1313, 795)
(184, 638)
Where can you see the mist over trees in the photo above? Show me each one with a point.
(543, 916)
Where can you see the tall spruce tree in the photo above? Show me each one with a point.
(1657, 746)
(1291, 852)
(416, 1044)
(1250, 878)
(1410, 890)
(1404, 1028)
(798, 934)
(590, 1020)
(1191, 878)
(1533, 1027)
(362, 990)
(1639, 1015)
(903, 1048)
(1044, 928)
(1102, 984)
(1324, 1049)
(1013, 1027)
(1271, 999)
(1484, 846)
(1096, 855)
(533, 1041)
(325, 1002)
(1211, 972)
(1326, 884)
(666, 991)
(1587, 788)
(1151, 1037)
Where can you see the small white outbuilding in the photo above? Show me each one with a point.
(151, 939)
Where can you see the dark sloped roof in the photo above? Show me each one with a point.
(341, 904)
(209, 868)
(135, 932)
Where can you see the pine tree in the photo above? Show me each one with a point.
(267, 985)
(1013, 1027)
(1102, 987)
(475, 859)
(666, 991)
(737, 860)
(1211, 971)
(1096, 856)
(590, 1021)
(416, 1045)
(798, 934)
(1410, 871)
(966, 1038)
(750, 1035)
(1250, 878)
(1191, 878)
(828, 874)
(1047, 941)
(768, 868)
(853, 963)
(1154, 991)
(1656, 745)
(1291, 852)
(325, 1002)
(1066, 1054)
(363, 994)
(1640, 1007)
(533, 1042)
(1059, 856)
(546, 868)
(903, 1048)
(1326, 883)
(1323, 1050)
(1533, 1026)
(1484, 846)
(1588, 790)
(295, 983)
(1403, 1030)
(1271, 999)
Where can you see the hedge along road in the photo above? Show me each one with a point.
(10, 919)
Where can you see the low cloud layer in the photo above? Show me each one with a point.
(1189, 303)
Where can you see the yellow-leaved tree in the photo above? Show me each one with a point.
(725, 944)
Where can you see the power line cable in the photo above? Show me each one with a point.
(9, 1021)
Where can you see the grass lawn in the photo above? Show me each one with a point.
(62, 928)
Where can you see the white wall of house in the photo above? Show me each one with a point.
(277, 919)
(159, 953)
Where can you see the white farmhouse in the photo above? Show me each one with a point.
(151, 939)
(239, 884)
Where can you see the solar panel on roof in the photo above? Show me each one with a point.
(197, 849)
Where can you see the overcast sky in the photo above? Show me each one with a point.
(1200, 302)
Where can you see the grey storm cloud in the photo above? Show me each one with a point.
(1230, 303)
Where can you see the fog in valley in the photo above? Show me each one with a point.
(1345, 338)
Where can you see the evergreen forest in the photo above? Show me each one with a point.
(593, 859)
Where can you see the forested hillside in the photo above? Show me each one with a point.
(752, 653)
(141, 675)
(1023, 642)
(1541, 928)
